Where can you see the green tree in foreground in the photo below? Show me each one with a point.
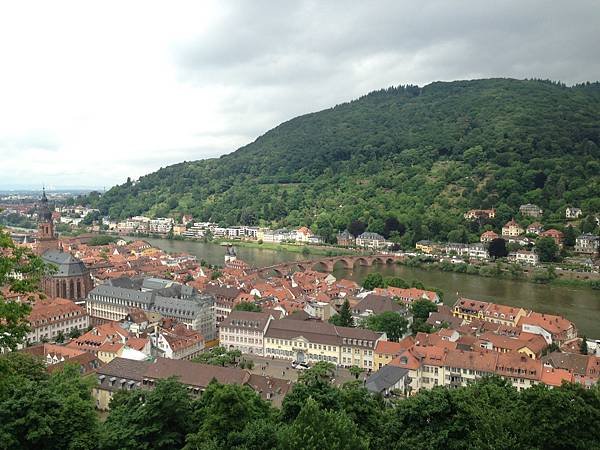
(223, 411)
(247, 306)
(156, 419)
(38, 410)
(29, 269)
(315, 428)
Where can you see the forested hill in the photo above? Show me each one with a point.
(422, 155)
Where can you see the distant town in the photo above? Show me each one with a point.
(130, 314)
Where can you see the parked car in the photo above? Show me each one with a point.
(300, 365)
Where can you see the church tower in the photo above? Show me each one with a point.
(46, 239)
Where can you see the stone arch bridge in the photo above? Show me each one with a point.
(327, 264)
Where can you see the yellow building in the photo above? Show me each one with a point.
(178, 230)
(502, 314)
(468, 309)
(385, 351)
(512, 228)
(425, 246)
(298, 340)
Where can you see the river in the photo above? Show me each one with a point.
(581, 306)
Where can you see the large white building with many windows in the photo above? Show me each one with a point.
(308, 341)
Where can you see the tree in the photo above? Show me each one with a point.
(321, 371)
(372, 281)
(421, 309)
(547, 249)
(588, 225)
(344, 317)
(396, 282)
(157, 419)
(316, 428)
(247, 306)
(41, 411)
(28, 269)
(102, 239)
(223, 411)
(218, 356)
(60, 337)
(498, 248)
(583, 347)
(74, 333)
(570, 236)
(546, 414)
(357, 227)
(459, 235)
(389, 322)
(392, 225)
(355, 370)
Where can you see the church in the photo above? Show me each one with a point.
(69, 277)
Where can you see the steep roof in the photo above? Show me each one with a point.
(320, 332)
(378, 304)
(195, 374)
(246, 319)
(385, 378)
(67, 265)
(125, 368)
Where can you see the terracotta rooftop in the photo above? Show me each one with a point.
(194, 374)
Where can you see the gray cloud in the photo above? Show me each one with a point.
(257, 64)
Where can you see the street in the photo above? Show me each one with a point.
(280, 368)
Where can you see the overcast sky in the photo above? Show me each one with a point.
(91, 93)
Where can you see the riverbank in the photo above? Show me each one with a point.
(510, 271)
(292, 248)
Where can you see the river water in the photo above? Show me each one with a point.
(581, 306)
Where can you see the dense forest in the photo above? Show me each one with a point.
(56, 411)
(419, 155)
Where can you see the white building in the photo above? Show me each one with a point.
(50, 318)
(526, 257)
(573, 213)
(161, 225)
(178, 343)
(478, 251)
(371, 240)
(587, 243)
(244, 331)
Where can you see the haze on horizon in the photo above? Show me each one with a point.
(91, 94)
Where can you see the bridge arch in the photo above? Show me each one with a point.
(345, 263)
(362, 261)
(322, 266)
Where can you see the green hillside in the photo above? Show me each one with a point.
(421, 155)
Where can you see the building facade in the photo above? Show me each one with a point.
(178, 302)
(587, 243)
(50, 318)
(244, 331)
(297, 340)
